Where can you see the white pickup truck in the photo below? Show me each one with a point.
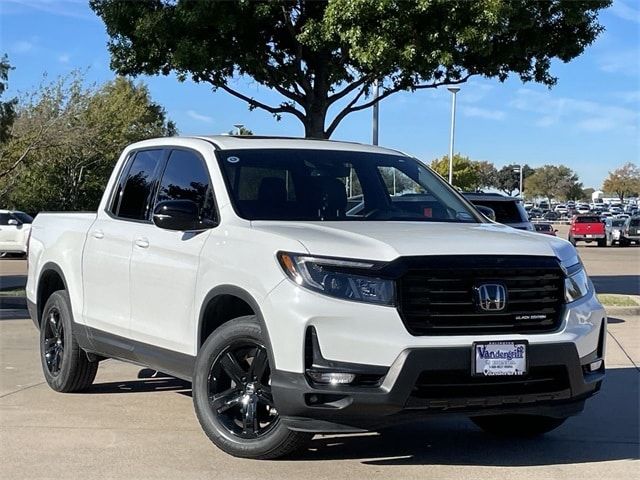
(308, 286)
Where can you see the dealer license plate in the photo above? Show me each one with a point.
(499, 358)
(589, 236)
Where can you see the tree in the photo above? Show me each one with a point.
(623, 181)
(587, 192)
(324, 56)
(72, 136)
(487, 175)
(242, 131)
(7, 108)
(508, 178)
(551, 181)
(465, 171)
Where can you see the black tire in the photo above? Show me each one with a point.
(65, 365)
(602, 242)
(274, 439)
(517, 425)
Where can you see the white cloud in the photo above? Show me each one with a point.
(582, 115)
(482, 113)
(622, 10)
(22, 46)
(199, 117)
(64, 58)
(63, 8)
(620, 62)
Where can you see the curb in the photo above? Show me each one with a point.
(615, 311)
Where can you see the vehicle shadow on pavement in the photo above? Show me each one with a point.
(149, 381)
(620, 284)
(608, 429)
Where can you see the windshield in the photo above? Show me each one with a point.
(617, 223)
(325, 185)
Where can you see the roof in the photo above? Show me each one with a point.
(237, 142)
(494, 197)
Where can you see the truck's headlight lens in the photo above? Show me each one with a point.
(334, 277)
(576, 285)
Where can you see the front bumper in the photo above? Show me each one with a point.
(426, 381)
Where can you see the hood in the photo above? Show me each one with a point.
(385, 241)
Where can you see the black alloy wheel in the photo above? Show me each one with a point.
(53, 341)
(239, 390)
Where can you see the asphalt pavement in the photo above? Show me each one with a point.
(132, 425)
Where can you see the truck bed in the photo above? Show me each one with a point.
(59, 237)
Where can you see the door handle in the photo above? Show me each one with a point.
(142, 242)
(98, 234)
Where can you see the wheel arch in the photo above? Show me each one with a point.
(51, 279)
(236, 298)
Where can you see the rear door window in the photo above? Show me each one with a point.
(138, 186)
(588, 220)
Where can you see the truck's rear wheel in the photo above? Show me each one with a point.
(517, 425)
(65, 365)
(232, 394)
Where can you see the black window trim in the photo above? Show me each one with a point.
(165, 160)
(123, 174)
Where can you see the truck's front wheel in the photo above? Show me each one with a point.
(232, 394)
(517, 425)
(65, 365)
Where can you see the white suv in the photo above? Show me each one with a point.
(311, 286)
(14, 231)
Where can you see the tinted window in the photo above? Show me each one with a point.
(617, 223)
(635, 222)
(185, 178)
(319, 185)
(506, 212)
(138, 186)
(23, 217)
(4, 218)
(588, 220)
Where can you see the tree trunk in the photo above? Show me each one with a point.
(314, 123)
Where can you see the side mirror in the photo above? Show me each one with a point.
(178, 215)
(487, 212)
(555, 231)
(13, 221)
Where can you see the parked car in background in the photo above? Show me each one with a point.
(535, 213)
(615, 210)
(508, 210)
(589, 228)
(561, 209)
(631, 233)
(616, 226)
(551, 216)
(14, 232)
(582, 208)
(545, 228)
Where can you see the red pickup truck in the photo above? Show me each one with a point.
(589, 228)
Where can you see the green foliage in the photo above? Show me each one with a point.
(623, 181)
(465, 171)
(316, 53)
(67, 138)
(7, 108)
(241, 131)
(551, 181)
(508, 178)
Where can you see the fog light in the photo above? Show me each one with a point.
(332, 378)
(595, 366)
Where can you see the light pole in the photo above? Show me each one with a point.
(453, 90)
(376, 114)
(519, 170)
(238, 128)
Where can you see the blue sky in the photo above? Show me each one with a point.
(589, 121)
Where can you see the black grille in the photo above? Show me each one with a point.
(458, 389)
(436, 294)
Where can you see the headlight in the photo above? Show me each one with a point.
(346, 279)
(576, 285)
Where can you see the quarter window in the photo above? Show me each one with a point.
(185, 178)
(136, 193)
